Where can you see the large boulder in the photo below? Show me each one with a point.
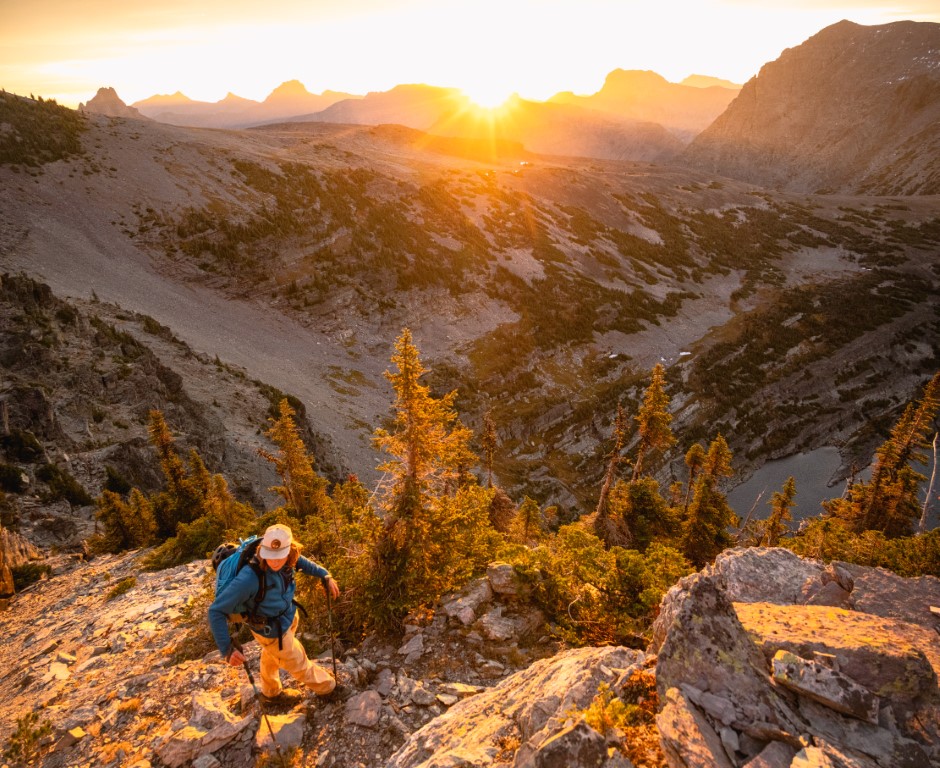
(754, 666)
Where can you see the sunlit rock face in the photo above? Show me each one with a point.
(757, 657)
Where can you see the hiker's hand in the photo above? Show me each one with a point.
(330, 585)
(235, 657)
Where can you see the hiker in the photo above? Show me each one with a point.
(273, 621)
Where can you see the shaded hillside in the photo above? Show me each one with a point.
(78, 387)
(853, 109)
(543, 289)
(684, 109)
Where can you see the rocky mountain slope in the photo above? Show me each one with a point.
(79, 382)
(543, 289)
(761, 659)
(854, 109)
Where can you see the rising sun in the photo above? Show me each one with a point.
(488, 95)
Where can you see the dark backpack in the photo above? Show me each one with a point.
(228, 559)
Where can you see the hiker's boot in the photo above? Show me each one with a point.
(339, 693)
(288, 696)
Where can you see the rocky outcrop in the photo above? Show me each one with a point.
(853, 109)
(117, 658)
(14, 551)
(762, 659)
(530, 708)
(107, 102)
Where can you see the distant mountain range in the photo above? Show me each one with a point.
(635, 116)
(287, 100)
(634, 96)
(853, 109)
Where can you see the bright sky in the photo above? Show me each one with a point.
(67, 49)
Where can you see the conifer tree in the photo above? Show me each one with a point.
(641, 513)
(529, 524)
(694, 460)
(123, 524)
(502, 511)
(430, 497)
(653, 420)
(182, 501)
(889, 502)
(781, 503)
(705, 529)
(428, 444)
(303, 490)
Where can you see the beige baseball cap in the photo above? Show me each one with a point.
(275, 545)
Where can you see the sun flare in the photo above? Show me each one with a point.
(488, 96)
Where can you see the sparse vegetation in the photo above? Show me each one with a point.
(29, 741)
(29, 573)
(124, 586)
(12, 479)
(40, 131)
(63, 486)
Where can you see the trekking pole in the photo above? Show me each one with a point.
(251, 679)
(329, 614)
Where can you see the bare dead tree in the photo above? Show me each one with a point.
(922, 528)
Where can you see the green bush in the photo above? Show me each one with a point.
(12, 479)
(123, 586)
(22, 445)
(29, 573)
(63, 486)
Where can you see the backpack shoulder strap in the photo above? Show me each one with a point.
(262, 582)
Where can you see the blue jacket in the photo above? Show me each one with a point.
(277, 604)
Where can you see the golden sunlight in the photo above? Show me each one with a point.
(488, 95)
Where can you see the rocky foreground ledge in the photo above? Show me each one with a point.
(769, 661)
(762, 660)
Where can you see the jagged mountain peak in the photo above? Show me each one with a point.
(107, 102)
(290, 89)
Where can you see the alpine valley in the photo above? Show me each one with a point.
(774, 246)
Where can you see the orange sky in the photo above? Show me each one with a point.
(66, 49)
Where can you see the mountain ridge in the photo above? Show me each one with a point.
(852, 109)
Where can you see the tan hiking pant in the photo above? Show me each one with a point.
(292, 659)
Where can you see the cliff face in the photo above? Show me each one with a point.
(853, 109)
